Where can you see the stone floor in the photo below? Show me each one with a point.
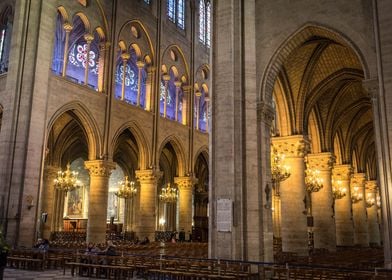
(13, 274)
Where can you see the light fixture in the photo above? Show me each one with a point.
(338, 192)
(168, 194)
(279, 171)
(370, 201)
(313, 182)
(126, 189)
(356, 196)
(67, 180)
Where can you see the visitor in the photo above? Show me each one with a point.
(110, 249)
(145, 241)
(91, 249)
(44, 247)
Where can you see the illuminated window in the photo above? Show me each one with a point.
(176, 12)
(148, 2)
(5, 38)
(204, 22)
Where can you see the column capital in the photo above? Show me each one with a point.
(291, 146)
(67, 27)
(358, 179)
(100, 168)
(140, 64)
(148, 175)
(320, 161)
(371, 186)
(178, 84)
(342, 172)
(185, 183)
(88, 37)
(186, 88)
(371, 86)
(166, 77)
(125, 57)
(51, 170)
(267, 112)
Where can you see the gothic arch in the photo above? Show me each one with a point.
(87, 123)
(141, 140)
(179, 150)
(294, 41)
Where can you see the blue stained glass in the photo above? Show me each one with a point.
(202, 25)
(94, 62)
(203, 118)
(147, 2)
(58, 50)
(171, 10)
(170, 99)
(181, 14)
(208, 24)
(131, 77)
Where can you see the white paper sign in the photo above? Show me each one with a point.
(224, 214)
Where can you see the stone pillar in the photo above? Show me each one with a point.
(322, 202)
(292, 194)
(359, 209)
(68, 28)
(140, 66)
(100, 171)
(343, 209)
(371, 207)
(89, 38)
(124, 57)
(48, 200)
(146, 222)
(185, 188)
(185, 105)
(149, 88)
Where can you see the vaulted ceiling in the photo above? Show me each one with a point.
(318, 92)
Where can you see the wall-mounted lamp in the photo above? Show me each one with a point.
(29, 202)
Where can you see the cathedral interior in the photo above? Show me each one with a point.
(258, 128)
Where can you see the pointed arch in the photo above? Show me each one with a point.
(307, 31)
(87, 123)
(141, 140)
(179, 150)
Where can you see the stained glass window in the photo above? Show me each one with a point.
(148, 2)
(171, 99)
(130, 75)
(203, 117)
(204, 22)
(176, 12)
(58, 50)
(5, 43)
(202, 25)
(78, 60)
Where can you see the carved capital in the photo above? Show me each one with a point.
(342, 172)
(371, 87)
(148, 176)
(371, 186)
(140, 64)
(267, 112)
(104, 46)
(67, 27)
(50, 170)
(320, 161)
(291, 146)
(358, 180)
(185, 183)
(125, 57)
(99, 168)
(88, 37)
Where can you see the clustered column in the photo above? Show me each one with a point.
(292, 194)
(147, 212)
(343, 209)
(371, 206)
(48, 199)
(359, 209)
(185, 187)
(100, 171)
(322, 202)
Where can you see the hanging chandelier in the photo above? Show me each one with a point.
(313, 181)
(356, 196)
(338, 192)
(67, 180)
(279, 172)
(168, 194)
(126, 189)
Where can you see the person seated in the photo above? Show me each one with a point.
(110, 249)
(38, 243)
(145, 241)
(44, 247)
(91, 249)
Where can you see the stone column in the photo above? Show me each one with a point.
(100, 171)
(89, 38)
(292, 194)
(68, 28)
(185, 188)
(166, 79)
(149, 88)
(371, 207)
(359, 209)
(146, 222)
(343, 209)
(140, 66)
(185, 105)
(48, 200)
(322, 202)
(124, 57)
